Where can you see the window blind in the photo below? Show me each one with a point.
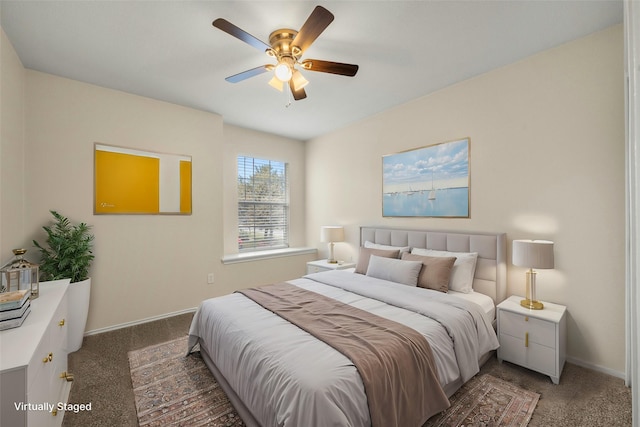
(263, 204)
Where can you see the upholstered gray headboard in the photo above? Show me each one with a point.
(491, 268)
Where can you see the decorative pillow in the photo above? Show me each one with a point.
(365, 253)
(394, 270)
(402, 249)
(436, 271)
(463, 269)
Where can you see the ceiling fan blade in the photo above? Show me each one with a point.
(247, 74)
(330, 67)
(297, 94)
(316, 23)
(238, 33)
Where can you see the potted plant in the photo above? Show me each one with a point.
(68, 254)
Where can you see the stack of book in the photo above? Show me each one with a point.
(14, 308)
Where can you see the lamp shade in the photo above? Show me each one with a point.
(332, 233)
(532, 254)
(298, 80)
(276, 83)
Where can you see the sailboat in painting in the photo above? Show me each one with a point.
(432, 192)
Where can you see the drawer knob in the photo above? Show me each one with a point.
(526, 318)
(61, 323)
(526, 339)
(54, 412)
(48, 358)
(67, 376)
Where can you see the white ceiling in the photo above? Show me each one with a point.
(168, 50)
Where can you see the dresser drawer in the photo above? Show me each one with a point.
(59, 326)
(38, 393)
(37, 368)
(539, 331)
(58, 342)
(52, 348)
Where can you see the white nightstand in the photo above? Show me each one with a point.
(323, 265)
(535, 339)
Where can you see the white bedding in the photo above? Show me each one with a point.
(484, 301)
(288, 378)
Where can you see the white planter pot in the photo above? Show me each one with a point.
(78, 299)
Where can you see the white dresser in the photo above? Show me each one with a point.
(535, 339)
(33, 362)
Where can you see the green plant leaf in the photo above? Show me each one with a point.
(68, 250)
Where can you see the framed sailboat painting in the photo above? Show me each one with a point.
(431, 181)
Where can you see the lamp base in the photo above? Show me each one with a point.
(531, 304)
(530, 300)
(331, 259)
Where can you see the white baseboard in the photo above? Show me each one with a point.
(139, 322)
(597, 368)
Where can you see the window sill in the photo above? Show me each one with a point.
(260, 255)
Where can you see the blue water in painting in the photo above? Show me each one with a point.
(450, 202)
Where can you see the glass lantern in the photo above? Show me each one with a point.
(20, 274)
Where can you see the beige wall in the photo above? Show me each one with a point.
(12, 199)
(145, 265)
(547, 161)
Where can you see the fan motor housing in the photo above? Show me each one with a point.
(281, 43)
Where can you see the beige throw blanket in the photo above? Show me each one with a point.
(395, 362)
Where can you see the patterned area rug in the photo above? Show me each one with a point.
(173, 390)
(487, 401)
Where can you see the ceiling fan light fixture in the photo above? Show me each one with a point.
(276, 83)
(283, 71)
(286, 47)
(298, 80)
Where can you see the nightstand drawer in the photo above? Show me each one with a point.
(315, 269)
(539, 331)
(537, 357)
(324, 265)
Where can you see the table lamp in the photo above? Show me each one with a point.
(331, 234)
(532, 254)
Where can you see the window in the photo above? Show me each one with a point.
(263, 204)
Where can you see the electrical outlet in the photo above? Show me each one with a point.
(210, 278)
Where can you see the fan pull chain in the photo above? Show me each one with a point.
(288, 96)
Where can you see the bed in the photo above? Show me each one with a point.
(278, 374)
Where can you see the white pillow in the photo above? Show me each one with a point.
(463, 269)
(402, 249)
(394, 270)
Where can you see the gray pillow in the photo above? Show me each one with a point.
(394, 270)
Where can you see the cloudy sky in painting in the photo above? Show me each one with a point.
(447, 162)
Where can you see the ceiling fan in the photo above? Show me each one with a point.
(287, 46)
